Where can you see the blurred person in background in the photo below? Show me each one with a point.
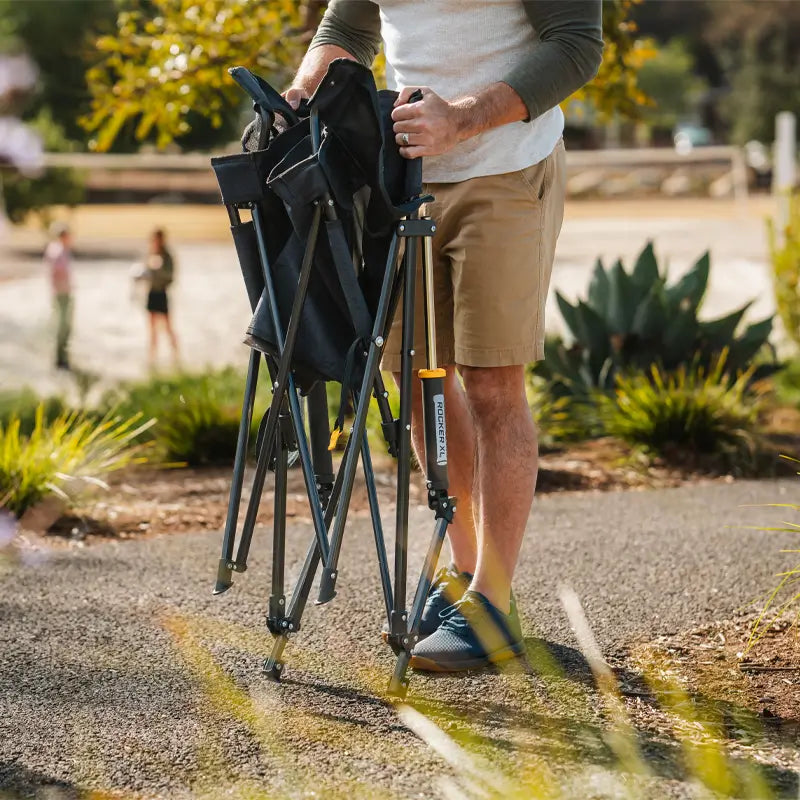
(158, 274)
(58, 258)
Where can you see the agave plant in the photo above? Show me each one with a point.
(631, 320)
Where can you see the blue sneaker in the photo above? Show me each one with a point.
(472, 634)
(447, 588)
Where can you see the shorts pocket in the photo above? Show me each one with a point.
(534, 178)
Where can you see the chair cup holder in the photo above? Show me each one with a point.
(242, 177)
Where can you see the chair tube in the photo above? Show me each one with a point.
(226, 564)
(398, 625)
(377, 527)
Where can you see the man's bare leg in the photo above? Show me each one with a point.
(505, 473)
(460, 466)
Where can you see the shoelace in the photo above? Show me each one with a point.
(467, 609)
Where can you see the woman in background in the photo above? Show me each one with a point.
(159, 274)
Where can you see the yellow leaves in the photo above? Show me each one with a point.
(615, 90)
(110, 128)
(179, 54)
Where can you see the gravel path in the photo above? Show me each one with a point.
(119, 672)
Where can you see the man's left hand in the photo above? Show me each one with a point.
(428, 127)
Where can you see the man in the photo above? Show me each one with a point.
(492, 73)
(58, 259)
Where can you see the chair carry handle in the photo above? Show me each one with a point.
(262, 94)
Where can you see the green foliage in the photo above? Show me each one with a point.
(24, 406)
(747, 50)
(559, 420)
(758, 46)
(200, 432)
(631, 320)
(669, 80)
(784, 597)
(22, 195)
(787, 384)
(197, 415)
(616, 90)
(691, 412)
(169, 59)
(64, 456)
(784, 251)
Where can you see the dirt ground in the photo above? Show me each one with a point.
(151, 499)
(740, 692)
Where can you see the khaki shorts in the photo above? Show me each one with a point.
(492, 258)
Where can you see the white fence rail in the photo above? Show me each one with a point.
(577, 160)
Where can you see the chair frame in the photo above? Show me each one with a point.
(283, 432)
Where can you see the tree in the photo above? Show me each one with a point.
(169, 58)
(670, 81)
(59, 36)
(24, 187)
(166, 65)
(747, 51)
(616, 91)
(24, 194)
(759, 48)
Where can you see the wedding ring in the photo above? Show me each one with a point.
(404, 139)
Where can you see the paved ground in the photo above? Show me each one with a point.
(210, 307)
(120, 673)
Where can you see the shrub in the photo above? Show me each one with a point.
(632, 320)
(23, 406)
(692, 412)
(787, 384)
(785, 259)
(63, 456)
(559, 420)
(197, 415)
(199, 432)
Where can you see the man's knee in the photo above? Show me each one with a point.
(493, 391)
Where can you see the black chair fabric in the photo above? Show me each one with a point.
(359, 166)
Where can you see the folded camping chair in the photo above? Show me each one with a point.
(330, 247)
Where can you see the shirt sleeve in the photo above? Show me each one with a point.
(353, 25)
(566, 55)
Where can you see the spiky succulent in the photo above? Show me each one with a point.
(630, 321)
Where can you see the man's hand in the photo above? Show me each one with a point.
(433, 126)
(428, 127)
